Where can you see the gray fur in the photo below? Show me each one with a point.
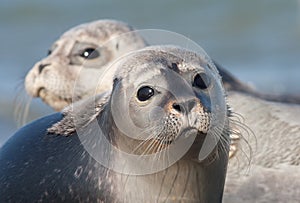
(276, 129)
(255, 177)
(261, 185)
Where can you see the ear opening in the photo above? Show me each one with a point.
(116, 81)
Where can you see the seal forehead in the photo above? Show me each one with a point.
(101, 29)
(144, 63)
(160, 57)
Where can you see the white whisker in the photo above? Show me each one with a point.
(21, 106)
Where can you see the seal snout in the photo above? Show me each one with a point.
(34, 81)
(42, 66)
(177, 107)
(184, 107)
(192, 114)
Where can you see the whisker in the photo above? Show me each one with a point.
(238, 116)
(249, 133)
(150, 146)
(160, 149)
(241, 131)
(218, 135)
(151, 136)
(21, 108)
(245, 128)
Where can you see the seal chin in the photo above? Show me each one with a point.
(190, 131)
(199, 140)
(53, 100)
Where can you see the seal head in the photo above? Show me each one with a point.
(92, 47)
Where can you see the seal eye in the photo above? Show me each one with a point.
(49, 52)
(90, 53)
(145, 93)
(201, 81)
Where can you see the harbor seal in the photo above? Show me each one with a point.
(51, 167)
(90, 46)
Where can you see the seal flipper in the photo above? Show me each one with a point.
(88, 110)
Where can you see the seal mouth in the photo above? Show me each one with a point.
(187, 132)
(53, 100)
(40, 92)
(43, 93)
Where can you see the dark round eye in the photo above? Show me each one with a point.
(90, 53)
(201, 81)
(145, 93)
(49, 52)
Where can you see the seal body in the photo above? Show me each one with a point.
(266, 166)
(276, 129)
(36, 167)
(262, 184)
(55, 168)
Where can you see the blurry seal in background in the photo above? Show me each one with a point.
(77, 56)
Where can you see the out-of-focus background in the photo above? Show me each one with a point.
(258, 41)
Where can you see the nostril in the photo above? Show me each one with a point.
(42, 66)
(177, 107)
(191, 105)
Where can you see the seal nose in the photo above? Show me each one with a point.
(178, 107)
(184, 107)
(42, 66)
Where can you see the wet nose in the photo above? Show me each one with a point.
(42, 66)
(178, 107)
(184, 107)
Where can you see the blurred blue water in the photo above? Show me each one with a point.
(258, 41)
